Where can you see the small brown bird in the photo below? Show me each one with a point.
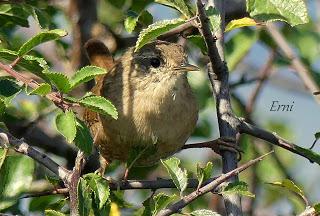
(157, 111)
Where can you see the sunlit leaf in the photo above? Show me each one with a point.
(40, 38)
(16, 175)
(239, 187)
(238, 23)
(84, 197)
(156, 29)
(99, 187)
(289, 185)
(13, 14)
(50, 212)
(85, 74)
(66, 125)
(42, 90)
(60, 81)
(179, 5)
(293, 12)
(133, 19)
(204, 173)
(100, 105)
(204, 212)
(178, 175)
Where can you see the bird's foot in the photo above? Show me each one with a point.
(227, 144)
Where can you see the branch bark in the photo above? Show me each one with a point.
(218, 75)
(176, 207)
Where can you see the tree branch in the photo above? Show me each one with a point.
(273, 138)
(6, 139)
(176, 207)
(218, 76)
(301, 69)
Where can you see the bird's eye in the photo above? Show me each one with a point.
(155, 62)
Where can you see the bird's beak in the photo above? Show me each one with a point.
(186, 68)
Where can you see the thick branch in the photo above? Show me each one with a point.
(176, 207)
(218, 75)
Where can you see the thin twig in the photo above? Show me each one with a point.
(296, 63)
(176, 207)
(6, 139)
(55, 97)
(273, 138)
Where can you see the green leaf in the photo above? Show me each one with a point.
(66, 125)
(156, 29)
(99, 187)
(238, 23)
(214, 18)
(84, 197)
(100, 105)
(144, 18)
(85, 74)
(40, 38)
(204, 173)
(9, 89)
(60, 80)
(13, 14)
(179, 5)
(317, 207)
(42, 90)
(293, 12)
(161, 201)
(204, 212)
(289, 185)
(41, 17)
(41, 203)
(240, 188)
(16, 175)
(2, 106)
(50, 212)
(198, 41)
(83, 139)
(179, 176)
(35, 65)
(239, 45)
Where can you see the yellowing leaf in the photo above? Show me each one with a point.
(238, 23)
(114, 211)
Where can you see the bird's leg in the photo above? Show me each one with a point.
(103, 165)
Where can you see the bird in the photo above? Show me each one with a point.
(157, 109)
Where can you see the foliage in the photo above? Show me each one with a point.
(36, 91)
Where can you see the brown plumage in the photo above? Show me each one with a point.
(157, 110)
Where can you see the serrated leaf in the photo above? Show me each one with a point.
(40, 38)
(204, 173)
(50, 212)
(35, 65)
(238, 23)
(85, 74)
(179, 176)
(66, 125)
(156, 29)
(16, 175)
(289, 185)
(240, 188)
(100, 105)
(214, 18)
(84, 197)
(144, 18)
(42, 90)
(13, 14)
(99, 187)
(83, 139)
(60, 81)
(161, 201)
(294, 12)
(239, 45)
(179, 5)
(204, 212)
